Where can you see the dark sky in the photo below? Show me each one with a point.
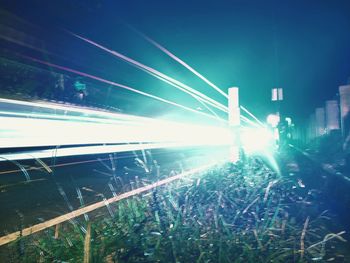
(301, 46)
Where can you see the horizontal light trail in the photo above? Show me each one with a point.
(33, 132)
(87, 150)
(180, 61)
(61, 110)
(81, 211)
(25, 108)
(120, 131)
(186, 88)
(64, 118)
(118, 85)
(27, 129)
(56, 165)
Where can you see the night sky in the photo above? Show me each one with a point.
(301, 46)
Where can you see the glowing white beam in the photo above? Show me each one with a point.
(65, 117)
(61, 111)
(29, 132)
(63, 125)
(87, 150)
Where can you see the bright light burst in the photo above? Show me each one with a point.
(257, 140)
(102, 132)
(71, 126)
(31, 132)
(66, 130)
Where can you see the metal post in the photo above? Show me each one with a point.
(234, 119)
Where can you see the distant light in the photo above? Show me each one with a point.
(273, 120)
(274, 95)
(255, 140)
(276, 134)
(289, 121)
(277, 94)
(280, 94)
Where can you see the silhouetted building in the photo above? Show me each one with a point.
(320, 121)
(312, 127)
(344, 93)
(277, 94)
(332, 115)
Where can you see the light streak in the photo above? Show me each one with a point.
(200, 100)
(64, 118)
(29, 132)
(118, 85)
(184, 87)
(87, 150)
(250, 122)
(60, 110)
(167, 52)
(23, 170)
(177, 59)
(122, 132)
(253, 116)
(55, 165)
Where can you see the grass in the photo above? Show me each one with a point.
(235, 213)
